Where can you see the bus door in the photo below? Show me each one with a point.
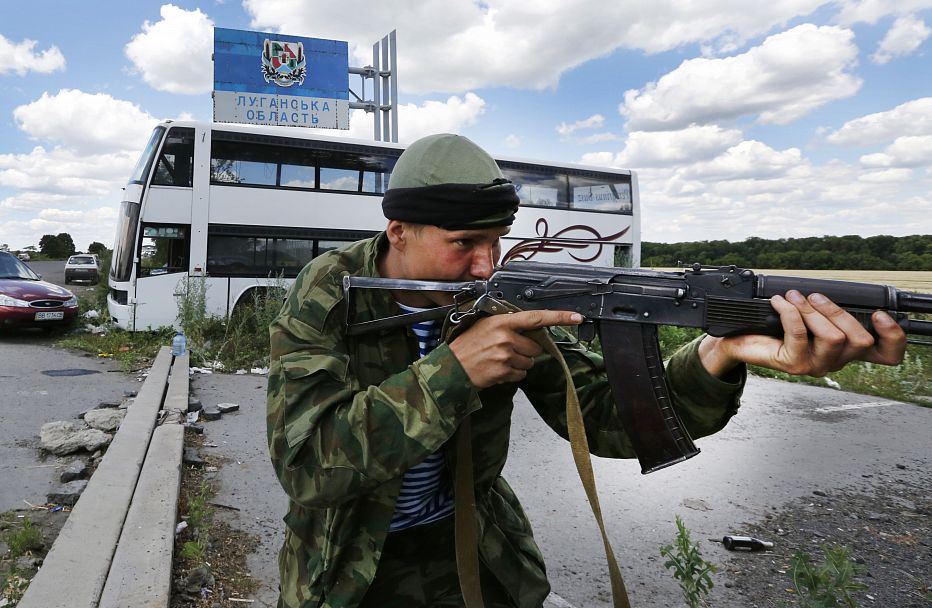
(164, 256)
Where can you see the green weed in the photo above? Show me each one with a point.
(829, 584)
(198, 516)
(27, 538)
(20, 540)
(132, 350)
(691, 571)
(910, 381)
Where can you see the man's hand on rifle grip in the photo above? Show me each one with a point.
(819, 337)
(495, 350)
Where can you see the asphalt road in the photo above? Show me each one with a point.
(787, 441)
(53, 271)
(29, 398)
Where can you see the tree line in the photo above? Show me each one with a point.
(812, 253)
(57, 246)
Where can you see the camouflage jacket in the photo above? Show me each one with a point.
(348, 415)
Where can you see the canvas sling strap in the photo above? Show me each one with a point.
(465, 520)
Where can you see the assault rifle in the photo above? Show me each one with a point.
(625, 306)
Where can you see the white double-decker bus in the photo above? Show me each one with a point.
(242, 206)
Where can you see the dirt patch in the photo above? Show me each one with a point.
(887, 527)
(26, 536)
(220, 576)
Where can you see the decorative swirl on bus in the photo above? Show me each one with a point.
(528, 248)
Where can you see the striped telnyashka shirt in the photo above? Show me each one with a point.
(426, 494)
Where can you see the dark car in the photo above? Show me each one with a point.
(82, 267)
(28, 301)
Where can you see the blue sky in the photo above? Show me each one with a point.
(794, 118)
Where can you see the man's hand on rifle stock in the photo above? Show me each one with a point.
(819, 337)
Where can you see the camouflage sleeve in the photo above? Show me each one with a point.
(704, 403)
(331, 439)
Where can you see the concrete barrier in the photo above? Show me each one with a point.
(114, 514)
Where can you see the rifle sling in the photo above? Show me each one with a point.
(466, 533)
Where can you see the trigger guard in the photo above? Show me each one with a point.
(586, 331)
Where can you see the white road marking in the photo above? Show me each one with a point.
(555, 601)
(854, 406)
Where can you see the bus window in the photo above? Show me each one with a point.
(246, 172)
(346, 180)
(325, 246)
(257, 256)
(163, 250)
(289, 256)
(298, 176)
(538, 188)
(243, 163)
(176, 162)
(141, 170)
(600, 194)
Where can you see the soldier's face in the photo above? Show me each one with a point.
(454, 255)
(434, 254)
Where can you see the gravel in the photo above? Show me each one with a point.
(886, 523)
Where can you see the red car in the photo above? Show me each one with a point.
(28, 301)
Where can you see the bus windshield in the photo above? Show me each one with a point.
(141, 170)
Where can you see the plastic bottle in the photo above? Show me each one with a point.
(179, 344)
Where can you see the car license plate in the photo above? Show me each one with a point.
(49, 316)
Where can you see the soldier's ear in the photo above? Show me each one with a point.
(397, 234)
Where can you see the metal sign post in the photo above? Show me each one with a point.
(384, 75)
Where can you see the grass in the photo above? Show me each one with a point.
(689, 568)
(21, 540)
(239, 342)
(198, 515)
(910, 381)
(830, 583)
(27, 538)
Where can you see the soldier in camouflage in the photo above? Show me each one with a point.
(349, 417)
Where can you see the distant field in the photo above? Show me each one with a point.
(906, 280)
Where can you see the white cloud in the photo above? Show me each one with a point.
(886, 176)
(599, 159)
(458, 45)
(593, 122)
(65, 172)
(431, 117)
(871, 11)
(174, 54)
(787, 76)
(416, 121)
(513, 141)
(33, 201)
(751, 189)
(666, 148)
(595, 138)
(796, 198)
(751, 160)
(910, 118)
(86, 122)
(85, 226)
(907, 151)
(903, 38)
(21, 58)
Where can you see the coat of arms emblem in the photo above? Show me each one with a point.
(283, 63)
